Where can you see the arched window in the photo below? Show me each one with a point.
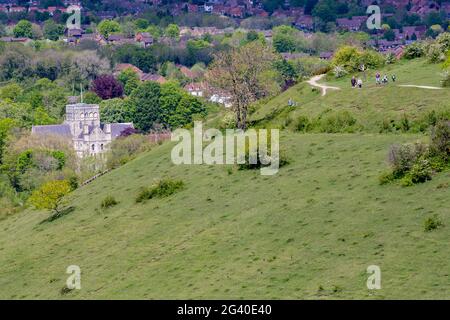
(101, 147)
(82, 115)
(93, 147)
(91, 115)
(95, 115)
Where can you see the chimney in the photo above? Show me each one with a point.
(107, 128)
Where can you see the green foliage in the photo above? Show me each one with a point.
(163, 188)
(124, 149)
(5, 127)
(420, 172)
(60, 156)
(108, 202)
(50, 195)
(440, 139)
(91, 97)
(115, 110)
(129, 79)
(145, 109)
(339, 121)
(52, 30)
(403, 157)
(107, 27)
(414, 50)
(302, 124)
(172, 31)
(23, 29)
(432, 223)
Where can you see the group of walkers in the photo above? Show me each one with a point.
(384, 80)
(357, 82)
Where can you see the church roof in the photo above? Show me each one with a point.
(118, 128)
(57, 129)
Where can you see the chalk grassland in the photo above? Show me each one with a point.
(309, 232)
(371, 106)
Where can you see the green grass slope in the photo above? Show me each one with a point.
(371, 105)
(309, 232)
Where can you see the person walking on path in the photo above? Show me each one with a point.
(353, 81)
(359, 83)
(378, 78)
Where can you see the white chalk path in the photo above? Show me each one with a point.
(313, 82)
(421, 87)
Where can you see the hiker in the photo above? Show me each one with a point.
(385, 79)
(290, 102)
(394, 77)
(378, 78)
(359, 83)
(353, 82)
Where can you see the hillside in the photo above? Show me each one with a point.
(309, 232)
(371, 106)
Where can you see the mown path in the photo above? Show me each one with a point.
(313, 82)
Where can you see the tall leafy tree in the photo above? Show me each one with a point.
(144, 104)
(107, 87)
(24, 29)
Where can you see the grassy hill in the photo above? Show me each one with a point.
(371, 106)
(309, 232)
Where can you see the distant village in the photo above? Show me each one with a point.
(238, 10)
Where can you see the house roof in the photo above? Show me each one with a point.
(118, 128)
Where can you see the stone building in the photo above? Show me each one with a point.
(82, 125)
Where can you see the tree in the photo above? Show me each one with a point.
(50, 195)
(389, 35)
(5, 126)
(129, 79)
(240, 71)
(145, 108)
(106, 27)
(172, 31)
(23, 29)
(52, 30)
(107, 87)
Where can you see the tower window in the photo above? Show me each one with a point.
(93, 147)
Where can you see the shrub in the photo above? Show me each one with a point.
(123, 149)
(339, 71)
(432, 223)
(262, 158)
(108, 202)
(340, 121)
(390, 58)
(445, 82)
(402, 157)
(420, 171)
(386, 178)
(163, 188)
(436, 53)
(302, 124)
(440, 139)
(414, 50)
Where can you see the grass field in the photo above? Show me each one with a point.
(309, 232)
(371, 105)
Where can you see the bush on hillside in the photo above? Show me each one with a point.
(339, 71)
(432, 223)
(124, 149)
(163, 188)
(414, 50)
(440, 139)
(302, 124)
(336, 122)
(108, 202)
(402, 157)
(263, 159)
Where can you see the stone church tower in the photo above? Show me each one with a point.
(83, 126)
